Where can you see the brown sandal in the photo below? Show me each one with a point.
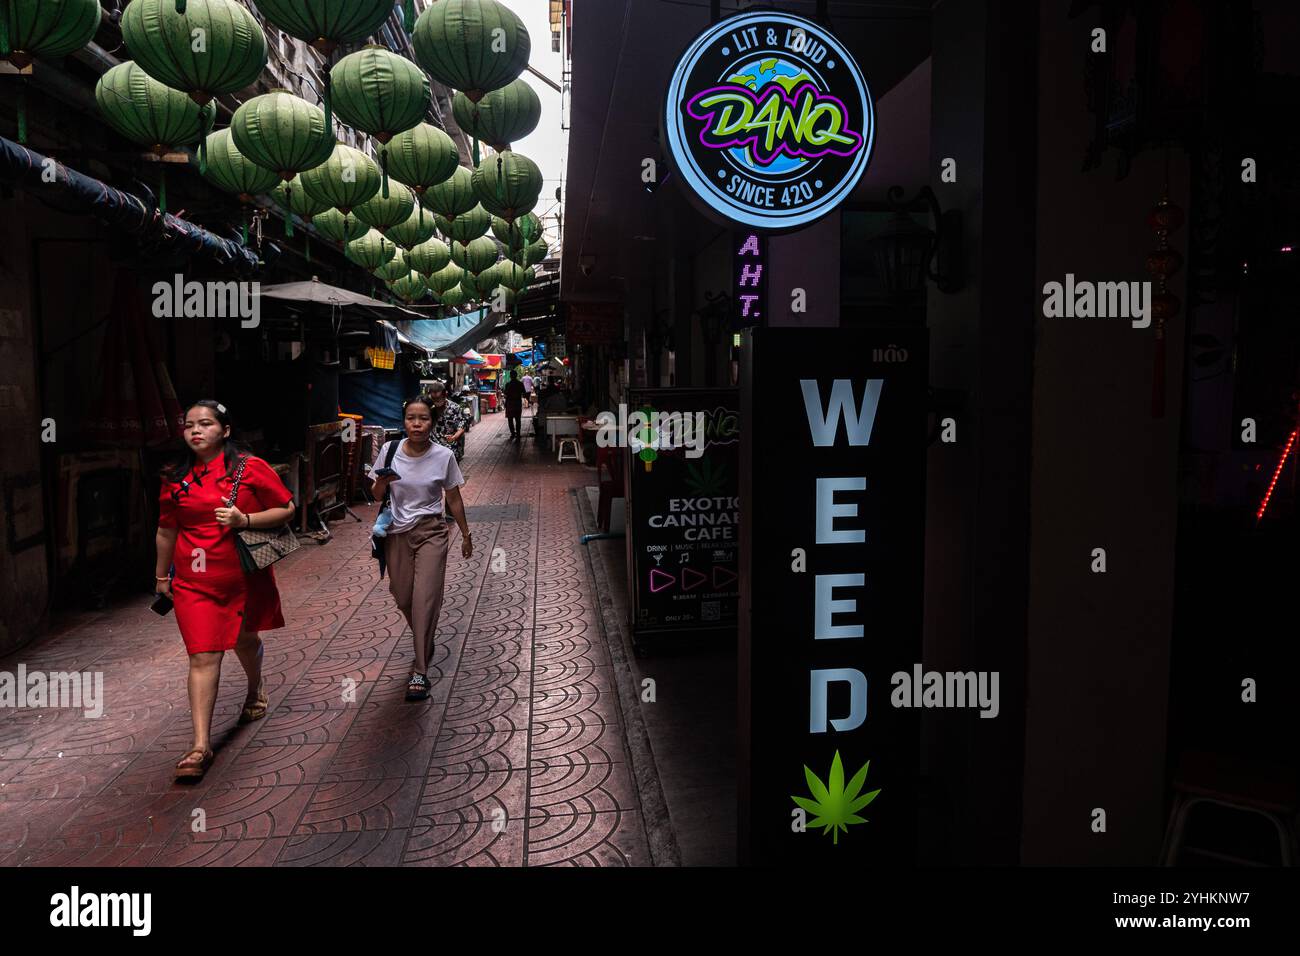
(189, 769)
(255, 710)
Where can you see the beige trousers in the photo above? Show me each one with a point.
(417, 567)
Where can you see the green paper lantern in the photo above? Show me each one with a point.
(378, 92)
(47, 29)
(383, 212)
(294, 198)
(344, 181)
(467, 226)
(517, 234)
(326, 23)
(419, 227)
(340, 227)
(501, 117)
(474, 256)
(530, 255)
(460, 43)
(485, 282)
(370, 251)
(454, 196)
(421, 157)
(455, 296)
(511, 275)
(448, 277)
(429, 257)
(409, 288)
(282, 132)
(489, 288)
(231, 170)
(395, 268)
(149, 113)
(508, 185)
(213, 47)
(501, 299)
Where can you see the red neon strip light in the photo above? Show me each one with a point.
(1286, 452)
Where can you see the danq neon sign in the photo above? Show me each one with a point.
(769, 121)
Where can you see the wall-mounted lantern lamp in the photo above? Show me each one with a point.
(907, 253)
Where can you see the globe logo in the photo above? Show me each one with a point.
(757, 76)
(769, 120)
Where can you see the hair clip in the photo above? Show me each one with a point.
(221, 408)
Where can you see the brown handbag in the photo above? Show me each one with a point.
(260, 548)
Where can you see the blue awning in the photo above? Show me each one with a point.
(452, 337)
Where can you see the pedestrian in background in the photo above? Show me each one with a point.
(529, 387)
(218, 606)
(514, 398)
(417, 539)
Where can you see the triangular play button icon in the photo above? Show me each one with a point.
(660, 580)
(692, 578)
(722, 577)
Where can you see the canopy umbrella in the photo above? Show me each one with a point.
(321, 293)
(469, 358)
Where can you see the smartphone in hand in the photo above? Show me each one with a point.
(387, 473)
(162, 606)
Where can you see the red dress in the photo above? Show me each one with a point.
(212, 594)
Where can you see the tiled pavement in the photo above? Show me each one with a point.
(517, 759)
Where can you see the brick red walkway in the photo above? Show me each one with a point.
(518, 758)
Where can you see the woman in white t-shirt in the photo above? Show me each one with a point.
(417, 539)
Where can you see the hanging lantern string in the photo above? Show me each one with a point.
(22, 109)
(288, 209)
(206, 119)
(383, 163)
(327, 98)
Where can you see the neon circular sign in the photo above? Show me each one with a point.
(769, 120)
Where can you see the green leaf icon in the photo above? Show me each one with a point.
(834, 806)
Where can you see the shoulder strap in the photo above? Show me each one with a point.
(388, 463)
(234, 488)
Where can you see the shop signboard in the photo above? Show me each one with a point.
(768, 121)
(749, 286)
(683, 510)
(594, 323)
(831, 567)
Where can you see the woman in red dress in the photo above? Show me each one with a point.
(218, 607)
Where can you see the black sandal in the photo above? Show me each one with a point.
(417, 688)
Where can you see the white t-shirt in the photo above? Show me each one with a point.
(418, 493)
(528, 384)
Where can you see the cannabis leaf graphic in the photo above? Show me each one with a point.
(834, 806)
(705, 480)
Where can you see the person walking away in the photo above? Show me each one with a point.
(417, 540)
(514, 396)
(529, 385)
(218, 606)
